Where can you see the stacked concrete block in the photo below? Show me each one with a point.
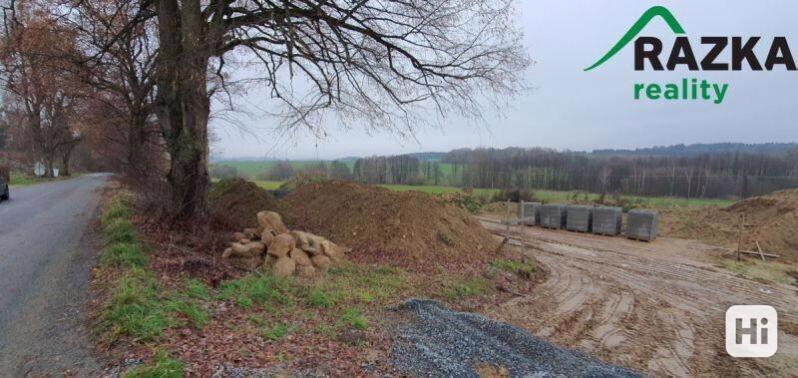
(529, 211)
(607, 220)
(642, 225)
(553, 216)
(578, 218)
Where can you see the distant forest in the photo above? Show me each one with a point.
(701, 149)
(723, 170)
(721, 174)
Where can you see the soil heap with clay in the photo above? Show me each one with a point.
(234, 204)
(770, 220)
(406, 229)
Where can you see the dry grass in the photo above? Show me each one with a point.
(168, 302)
(762, 271)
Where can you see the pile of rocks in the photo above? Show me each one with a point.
(273, 246)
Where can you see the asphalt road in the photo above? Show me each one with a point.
(46, 255)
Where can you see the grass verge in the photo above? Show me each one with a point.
(21, 179)
(137, 305)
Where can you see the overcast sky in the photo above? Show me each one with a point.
(572, 109)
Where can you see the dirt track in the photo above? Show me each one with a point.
(656, 307)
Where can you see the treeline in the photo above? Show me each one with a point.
(728, 174)
(284, 170)
(703, 148)
(401, 169)
(709, 175)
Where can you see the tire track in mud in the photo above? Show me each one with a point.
(653, 307)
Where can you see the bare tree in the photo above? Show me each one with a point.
(379, 60)
(123, 50)
(38, 89)
(604, 178)
(688, 175)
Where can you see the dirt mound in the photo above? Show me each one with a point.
(777, 203)
(401, 228)
(235, 202)
(770, 220)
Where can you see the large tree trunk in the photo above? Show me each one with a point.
(136, 140)
(65, 158)
(48, 166)
(184, 106)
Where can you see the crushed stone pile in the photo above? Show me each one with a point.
(401, 228)
(235, 202)
(440, 342)
(771, 220)
(272, 246)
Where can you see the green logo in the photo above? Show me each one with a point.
(657, 11)
(683, 55)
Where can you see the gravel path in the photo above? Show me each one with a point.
(46, 255)
(439, 342)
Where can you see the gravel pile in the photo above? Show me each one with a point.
(439, 342)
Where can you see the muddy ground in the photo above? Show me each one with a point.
(657, 307)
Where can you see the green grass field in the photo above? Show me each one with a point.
(251, 169)
(567, 196)
(547, 196)
(268, 185)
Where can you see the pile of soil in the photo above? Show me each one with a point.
(401, 228)
(771, 220)
(234, 204)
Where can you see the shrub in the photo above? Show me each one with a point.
(519, 268)
(280, 171)
(468, 200)
(514, 195)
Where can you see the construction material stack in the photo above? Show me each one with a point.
(529, 213)
(607, 220)
(578, 218)
(642, 225)
(552, 216)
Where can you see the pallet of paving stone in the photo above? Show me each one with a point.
(553, 216)
(607, 220)
(642, 225)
